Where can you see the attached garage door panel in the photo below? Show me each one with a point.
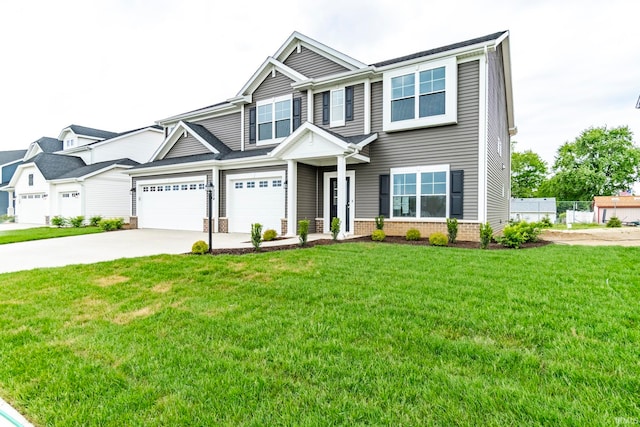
(31, 209)
(252, 200)
(69, 204)
(173, 206)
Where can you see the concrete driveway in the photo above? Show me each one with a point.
(90, 248)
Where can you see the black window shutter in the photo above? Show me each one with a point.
(325, 108)
(385, 195)
(297, 112)
(348, 103)
(457, 181)
(252, 125)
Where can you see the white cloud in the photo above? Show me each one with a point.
(124, 64)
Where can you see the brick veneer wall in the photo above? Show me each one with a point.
(319, 225)
(133, 222)
(283, 227)
(466, 230)
(205, 224)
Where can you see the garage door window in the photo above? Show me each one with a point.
(251, 184)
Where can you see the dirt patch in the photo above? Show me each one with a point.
(104, 282)
(625, 236)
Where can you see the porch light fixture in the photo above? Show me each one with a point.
(286, 184)
(133, 190)
(45, 195)
(209, 187)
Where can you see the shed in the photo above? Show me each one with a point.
(533, 209)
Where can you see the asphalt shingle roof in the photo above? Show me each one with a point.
(49, 145)
(209, 137)
(96, 133)
(88, 169)
(53, 166)
(204, 157)
(477, 40)
(11, 156)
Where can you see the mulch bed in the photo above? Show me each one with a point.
(389, 239)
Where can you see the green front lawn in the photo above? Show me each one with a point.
(348, 334)
(39, 233)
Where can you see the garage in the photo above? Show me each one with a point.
(69, 204)
(258, 197)
(172, 204)
(31, 208)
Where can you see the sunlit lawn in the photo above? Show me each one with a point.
(38, 233)
(333, 335)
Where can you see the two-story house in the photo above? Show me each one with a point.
(79, 173)
(9, 161)
(315, 134)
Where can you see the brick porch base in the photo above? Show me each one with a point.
(468, 231)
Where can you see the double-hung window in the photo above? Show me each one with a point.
(274, 119)
(420, 192)
(337, 108)
(420, 96)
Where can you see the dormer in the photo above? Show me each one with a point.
(76, 136)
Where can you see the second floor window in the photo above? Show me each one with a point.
(30, 179)
(274, 119)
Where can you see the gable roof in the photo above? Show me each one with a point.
(49, 145)
(54, 165)
(208, 137)
(11, 156)
(620, 201)
(199, 132)
(90, 132)
(442, 49)
(328, 52)
(91, 169)
(267, 66)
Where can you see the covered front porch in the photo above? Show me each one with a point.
(318, 179)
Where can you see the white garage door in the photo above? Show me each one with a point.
(172, 206)
(31, 209)
(69, 204)
(255, 198)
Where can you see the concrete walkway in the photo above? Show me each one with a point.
(90, 248)
(9, 417)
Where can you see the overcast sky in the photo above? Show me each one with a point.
(120, 65)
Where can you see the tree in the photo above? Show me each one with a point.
(600, 162)
(528, 172)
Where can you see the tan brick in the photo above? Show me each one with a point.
(466, 231)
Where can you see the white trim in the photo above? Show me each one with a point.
(166, 181)
(451, 96)
(222, 109)
(367, 107)
(297, 38)
(292, 197)
(242, 138)
(326, 202)
(178, 131)
(418, 170)
(270, 65)
(482, 140)
(310, 105)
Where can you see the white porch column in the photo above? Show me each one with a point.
(10, 210)
(310, 105)
(342, 195)
(215, 180)
(292, 198)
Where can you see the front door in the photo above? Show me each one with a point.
(333, 207)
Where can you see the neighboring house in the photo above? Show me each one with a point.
(80, 173)
(533, 209)
(315, 134)
(626, 208)
(9, 161)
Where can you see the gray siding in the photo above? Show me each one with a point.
(223, 182)
(456, 145)
(498, 178)
(186, 146)
(279, 85)
(135, 180)
(307, 200)
(351, 128)
(312, 65)
(225, 128)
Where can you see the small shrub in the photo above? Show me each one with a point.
(379, 222)
(413, 234)
(59, 221)
(452, 229)
(614, 222)
(546, 222)
(335, 228)
(269, 235)
(200, 247)
(94, 221)
(77, 221)
(486, 233)
(303, 230)
(438, 239)
(378, 235)
(7, 218)
(111, 224)
(514, 235)
(256, 236)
